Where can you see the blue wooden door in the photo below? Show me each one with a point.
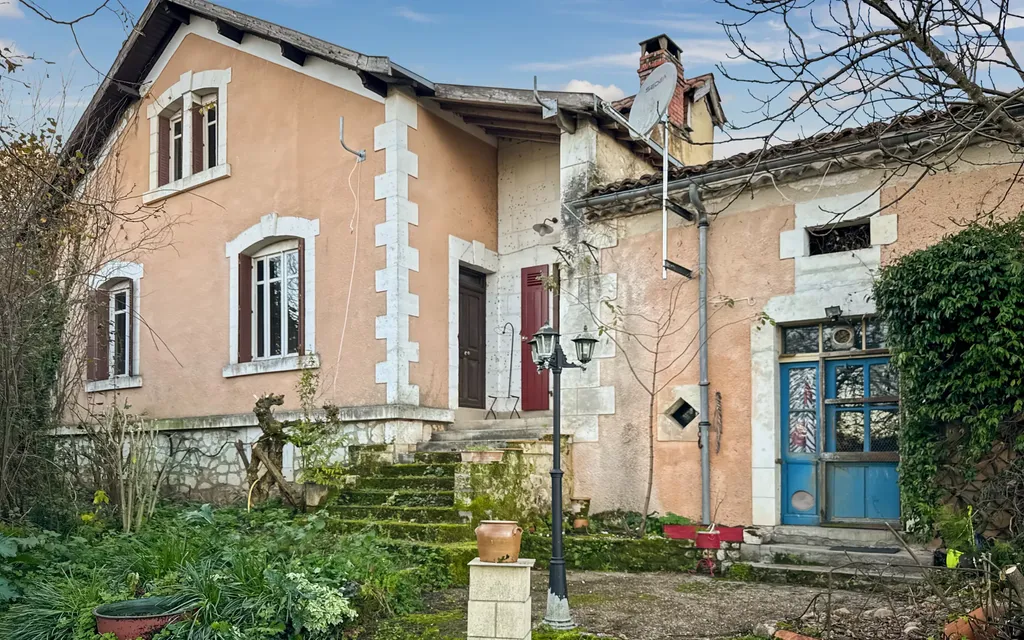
(861, 448)
(800, 438)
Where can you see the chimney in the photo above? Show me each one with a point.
(655, 52)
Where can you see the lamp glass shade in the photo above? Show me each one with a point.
(535, 352)
(584, 346)
(545, 338)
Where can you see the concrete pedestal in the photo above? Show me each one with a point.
(499, 600)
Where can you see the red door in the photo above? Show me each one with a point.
(534, 307)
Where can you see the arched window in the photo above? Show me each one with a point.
(272, 296)
(112, 339)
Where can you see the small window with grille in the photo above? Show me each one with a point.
(839, 238)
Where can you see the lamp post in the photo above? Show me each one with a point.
(547, 354)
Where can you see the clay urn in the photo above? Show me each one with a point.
(976, 625)
(498, 540)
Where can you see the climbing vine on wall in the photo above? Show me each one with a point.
(955, 313)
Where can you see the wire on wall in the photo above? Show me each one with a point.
(353, 228)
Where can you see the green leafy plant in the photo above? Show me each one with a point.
(955, 316)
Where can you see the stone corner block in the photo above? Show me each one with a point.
(481, 619)
(512, 619)
(884, 229)
(793, 244)
(499, 582)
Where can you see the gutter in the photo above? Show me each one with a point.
(708, 179)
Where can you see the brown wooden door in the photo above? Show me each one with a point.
(534, 307)
(472, 294)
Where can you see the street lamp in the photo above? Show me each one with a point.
(547, 354)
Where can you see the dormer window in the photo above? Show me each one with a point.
(188, 134)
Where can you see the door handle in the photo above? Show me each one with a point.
(465, 353)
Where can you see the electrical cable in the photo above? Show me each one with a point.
(353, 228)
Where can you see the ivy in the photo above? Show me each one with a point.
(955, 313)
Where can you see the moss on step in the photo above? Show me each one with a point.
(610, 553)
(426, 532)
(420, 483)
(398, 498)
(441, 470)
(437, 457)
(404, 514)
(450, 561)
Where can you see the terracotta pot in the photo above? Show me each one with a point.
(498, 540)
(580, 523)
(133, 619)
(974, 626)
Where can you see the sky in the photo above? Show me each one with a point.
(578, 45)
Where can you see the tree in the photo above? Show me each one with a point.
(946, 65)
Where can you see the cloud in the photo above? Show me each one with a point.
(10, 9)
(620, 60)
(607, 92)
(415, 16)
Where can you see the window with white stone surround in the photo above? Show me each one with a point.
(188, 134)
(113, 323)
(272, 296)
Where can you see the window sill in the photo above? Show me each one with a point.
(113, 384)
(187, 183)
(271, 365)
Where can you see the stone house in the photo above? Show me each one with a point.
(401, 263)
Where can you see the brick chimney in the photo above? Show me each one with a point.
(655, 52)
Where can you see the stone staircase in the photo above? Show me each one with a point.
(839, 550)
(495, 433)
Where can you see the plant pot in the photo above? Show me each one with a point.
(314, 493)
(482, 457)
(498, 540)
(974, 626)
(141, 618)
(580, 523)
(709, 540)
(679, 531)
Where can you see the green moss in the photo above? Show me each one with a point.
(438, 458)
(427, 532)
(398, 498)
(446, 469)
(691, 587)
(405, 514)
(740, 571)
(547, 633)
(591, 599)
(433, 619)
(503, 491)
(610, 553)
(418, 483)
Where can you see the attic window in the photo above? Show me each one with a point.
(683, 413)
(838, 239)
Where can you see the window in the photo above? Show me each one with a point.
(210, 133)
(177, 147)
(120, 338)
(838, 239)
(276, 300)
(845, 334)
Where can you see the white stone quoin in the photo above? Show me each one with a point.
(499, 600)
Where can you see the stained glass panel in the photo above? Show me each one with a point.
(803, 410)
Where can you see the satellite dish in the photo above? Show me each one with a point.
(651, 102)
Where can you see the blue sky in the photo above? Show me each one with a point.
(567, 43)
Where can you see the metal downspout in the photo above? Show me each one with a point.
(704, 426)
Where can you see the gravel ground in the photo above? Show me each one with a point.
(663, 606)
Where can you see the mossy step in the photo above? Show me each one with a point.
(437, 470)
(419, 483)
(438, 457)
(612, 553)
(403, 514)
(398, 498)
(452, 558)
(424, 532)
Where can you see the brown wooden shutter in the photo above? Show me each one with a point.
(197, 139)
(163, 152)
(244, 308)
(98, 336)
(302, 296)
(130, 328)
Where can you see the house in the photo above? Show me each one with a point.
(400, 263)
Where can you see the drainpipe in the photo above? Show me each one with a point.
(704, 426)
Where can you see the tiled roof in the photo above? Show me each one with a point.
(821, 141)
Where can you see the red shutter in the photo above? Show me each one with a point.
(534, 308)
(244, 308)
(98, 336)
(197, 139)
(302, 296)
(163, 152)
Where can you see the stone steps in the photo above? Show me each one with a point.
(473, 435)
(399, 530)
(844, 577)
(442, 469)
(397, 498)
(444, 515)
(502, 423)
(439, 446)
(802, 554)
(831, 536)
(417, 483)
